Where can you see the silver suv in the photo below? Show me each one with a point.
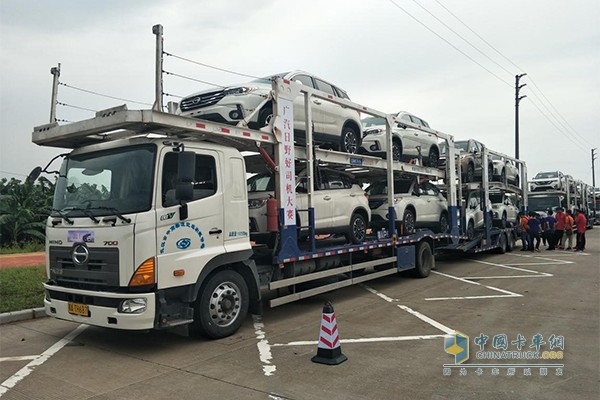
(504, 210)
(407, 143)
(415, 205)
(333, 125)
(340, 204)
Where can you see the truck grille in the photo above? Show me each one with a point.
(202, 100)
(101, 271)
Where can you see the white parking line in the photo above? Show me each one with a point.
(506, 292)
(18, 358)
(362, 340)
(534, 274)
(39, 360)
(264, 349)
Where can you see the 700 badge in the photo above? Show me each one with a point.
(111, 242)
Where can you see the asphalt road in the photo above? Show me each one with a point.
(392, 333)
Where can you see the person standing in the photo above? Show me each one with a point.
(559, 228)
(550, 222)
(580, 222)
(568, 235)
(524, 231)
(534, 232)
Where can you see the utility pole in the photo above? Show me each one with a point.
(55, 71)
(517, 101)
(594, 181)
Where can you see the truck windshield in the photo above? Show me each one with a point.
(106, 182)
(544, 203)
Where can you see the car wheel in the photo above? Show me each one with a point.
(503, 221)
(470, 230)
(443, 225)
(490, 172)
(264, 117)
(408, 221)
(396, 151)
(358, 228)
(349, 141)
(470, 173)
(221, 306)
(517, 181)
(503, 175)
(434, 157)
(424, 260)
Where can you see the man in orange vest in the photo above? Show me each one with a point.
(559, 228)
(525, 232)
(568, 235)
(581, 222)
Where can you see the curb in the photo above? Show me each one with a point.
(22, 315)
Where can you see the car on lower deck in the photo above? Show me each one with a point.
(416, 205)
(504, 210)
(407, 143)
(333, 125)
(340, 205)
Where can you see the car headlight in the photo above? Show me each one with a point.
(133, 306)
(373, 131)
(256, 203)
(238, 90)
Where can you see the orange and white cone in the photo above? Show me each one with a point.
(329, 349)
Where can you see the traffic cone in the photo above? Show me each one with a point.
(329, 349)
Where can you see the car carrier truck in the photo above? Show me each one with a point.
(149, 228)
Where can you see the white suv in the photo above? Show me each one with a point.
(504, 211)
(333, 125)
(407, 143)
(474, 214)
(415, 205)
(341, 206)
(553, 180)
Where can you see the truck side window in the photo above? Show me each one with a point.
(205, 178)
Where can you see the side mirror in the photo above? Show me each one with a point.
(34, 174)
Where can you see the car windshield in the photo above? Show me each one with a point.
(380, 188)
(261, 183)
(372, 121)
(101, 183)
(545, 175)
(463, 145)
(496, 198)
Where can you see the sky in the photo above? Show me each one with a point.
(390, 55)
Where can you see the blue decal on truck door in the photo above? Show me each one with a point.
(173, 235)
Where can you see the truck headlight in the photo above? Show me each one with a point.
(133, 306)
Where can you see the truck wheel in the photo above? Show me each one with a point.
(358, 229)
(424, 260)
(501, 249)
(510, 242)
(349, 141)
(221, 306)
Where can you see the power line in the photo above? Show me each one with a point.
(102, 95)
(193, 79)
(460, 36)
(77, 107)
(12, 173)
(211, 66)
(450, 44)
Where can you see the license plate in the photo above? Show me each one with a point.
(79, 309)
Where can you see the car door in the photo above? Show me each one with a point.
(327, 115)
(422, 138)
(427, 203)
(339, 189)
(299, 114)
(408, 136)
(322, 202)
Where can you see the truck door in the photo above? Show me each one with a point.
(191, 243)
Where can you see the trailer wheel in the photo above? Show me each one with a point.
(358, 229)
(510, 242)
(221, 306)
(501, 249)
(424, 260)
(349, 141)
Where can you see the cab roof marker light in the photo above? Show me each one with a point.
(145, 274)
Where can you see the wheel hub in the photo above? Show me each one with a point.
(225, 304)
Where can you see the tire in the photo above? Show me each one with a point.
(396, 151)
(503, 221)
(424, 260)
(434, 157)
(470, 176)
(503, 176)
(517, 181)
(408, 221)
(471, 230)
(490, 172)
(222, 305)
(349, 141)
(510, 242)
(443, 225)
(358, 229)
(501, 249)
(265, 116)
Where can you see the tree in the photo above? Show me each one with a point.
(24, 208)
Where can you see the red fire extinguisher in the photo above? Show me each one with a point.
(272, 215)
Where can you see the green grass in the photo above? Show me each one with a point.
(27, 247)
(21, 288)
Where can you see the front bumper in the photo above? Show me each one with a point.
(103, 308)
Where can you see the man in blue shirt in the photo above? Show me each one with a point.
(535, 229)
(549, 223)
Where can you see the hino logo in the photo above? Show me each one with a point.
(80, 254)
